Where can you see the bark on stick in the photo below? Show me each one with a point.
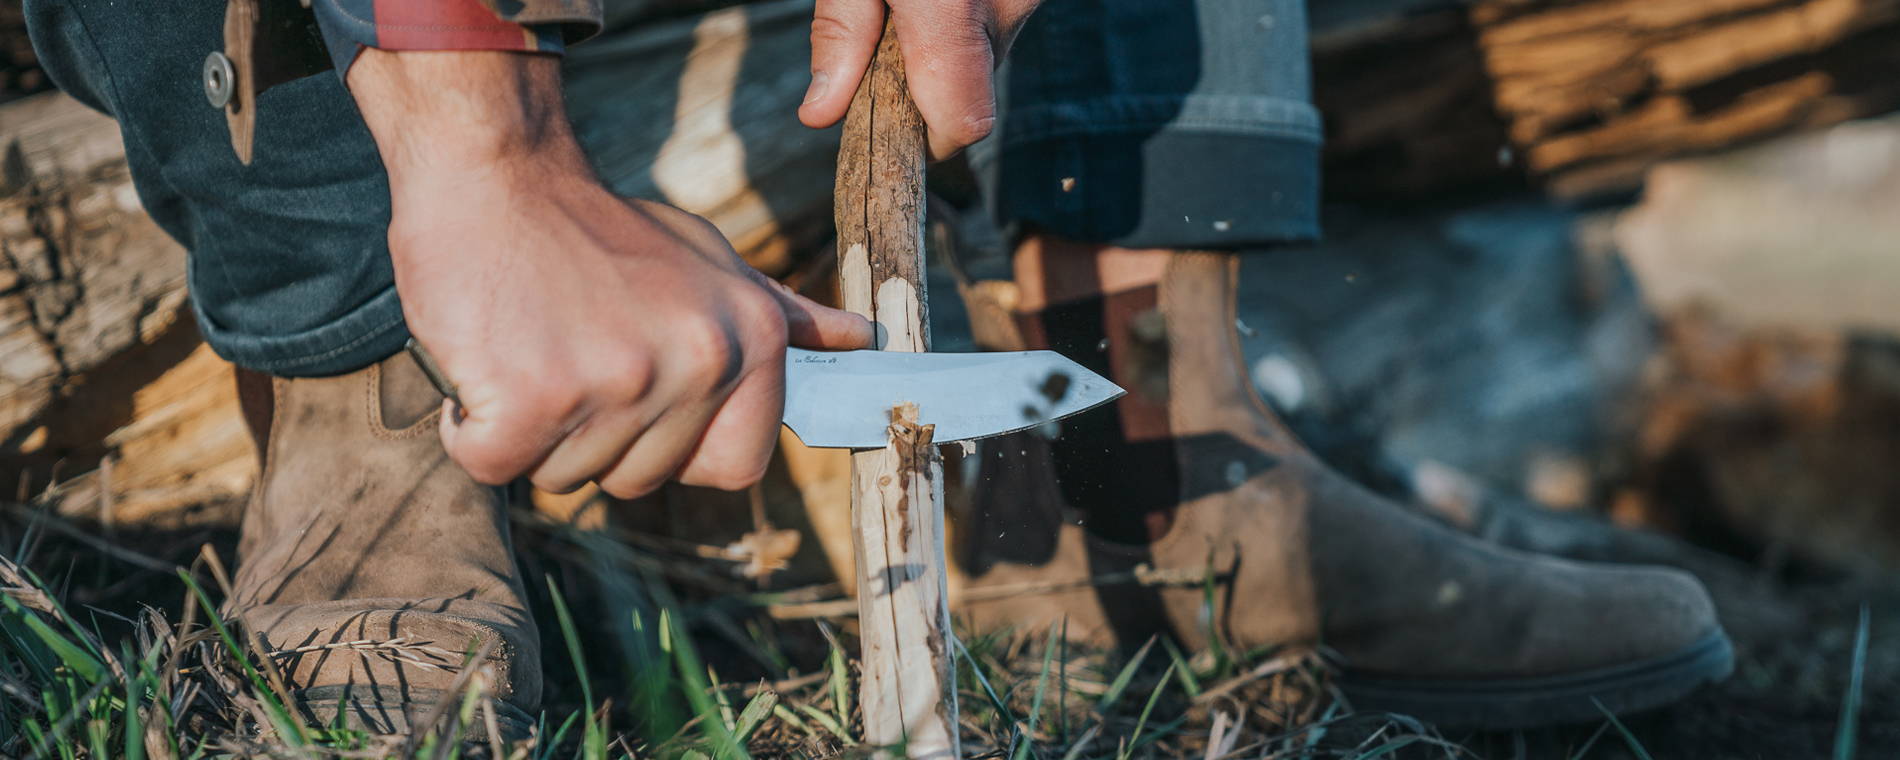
(908, 691)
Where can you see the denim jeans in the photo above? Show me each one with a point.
(289, 263)
(1162, 123)
(1157, 124)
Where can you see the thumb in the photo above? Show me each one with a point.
(844, 34)
(950, 60)
(809, 324)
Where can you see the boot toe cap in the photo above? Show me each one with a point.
(1615, 615)
(1617, 640)
(417, 648)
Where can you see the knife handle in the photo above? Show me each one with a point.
(433, 371)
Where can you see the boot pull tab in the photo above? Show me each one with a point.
(266, 43)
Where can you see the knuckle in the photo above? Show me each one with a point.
(976, 124)
(692, 228)
(551, 401)
(737, 466)
(707, 231)
(556, 486)
(764, 319)
(732, 478)
(973, 130)
(751, 477)
(971, 30)
(827, 28)
(699, 327)
(624, 487)
(630, 378)
(708, 358)
(485, 461)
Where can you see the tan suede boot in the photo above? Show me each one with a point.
(1202, 478)
(372, 566)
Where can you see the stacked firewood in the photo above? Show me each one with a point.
(92, 316)
(20, 72)
(1595, 92)
(1583, 96)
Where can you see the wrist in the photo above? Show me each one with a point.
(450, 119)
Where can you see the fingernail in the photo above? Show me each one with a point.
(820, 84)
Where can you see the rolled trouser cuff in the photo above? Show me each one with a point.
(1245, 179)
(363, 336)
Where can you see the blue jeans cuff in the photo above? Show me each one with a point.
(361, 337)
(1213, 181)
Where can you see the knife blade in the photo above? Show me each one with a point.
(842, 399)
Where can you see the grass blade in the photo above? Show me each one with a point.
(290, 728)
(76, 659)
(829, 723)
(691, 671)
(1134, 741)
(1062, 681)
(1035, 706)
(787, 716)
(136, 687)
(754, 714)
(840, 680)
(1122, 679)
(572, 638)
(1183, 670)
(976, 672)
(1389, 747)
(1849, 729)
(548, 745)
(593, 737)
(1636, 747)
(1210, 612)
(1584, 751)
(1082, 743)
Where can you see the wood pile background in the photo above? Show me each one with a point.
(20, 72)
(1584, 95)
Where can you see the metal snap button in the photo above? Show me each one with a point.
(220, 79)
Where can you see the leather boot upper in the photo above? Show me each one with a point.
(1301, 556)
(368, 558)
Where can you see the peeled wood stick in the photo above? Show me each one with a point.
(908, 691)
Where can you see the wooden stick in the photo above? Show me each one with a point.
(908, 689)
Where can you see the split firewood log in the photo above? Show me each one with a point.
(1585, 95)
(1595, 92)
(90, 289)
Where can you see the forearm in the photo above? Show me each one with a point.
(442, 119)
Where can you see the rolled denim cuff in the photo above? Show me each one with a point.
(367, 334)
(1198, 171)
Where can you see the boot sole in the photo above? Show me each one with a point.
(390, 711)
(1522, 703)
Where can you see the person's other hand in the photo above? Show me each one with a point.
(590, 337)
(951, 49)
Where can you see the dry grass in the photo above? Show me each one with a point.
(111, 654)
